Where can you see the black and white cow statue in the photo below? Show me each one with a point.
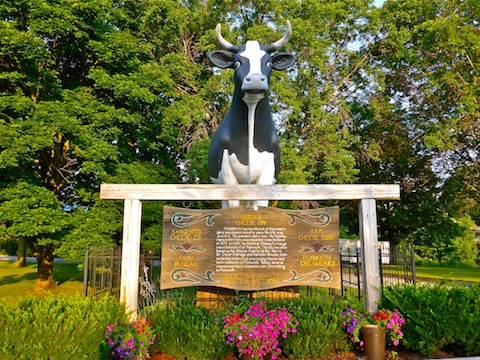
(244, 149)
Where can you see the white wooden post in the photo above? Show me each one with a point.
(367, 213)
(131, 256)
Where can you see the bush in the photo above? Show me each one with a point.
(191, 332)
(441, 316)
(188, 332)
(321, 330)
(57, 328)
(8, 246)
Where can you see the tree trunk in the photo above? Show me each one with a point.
(44, 257)
(22, 252)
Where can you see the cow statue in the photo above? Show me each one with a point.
(244, 149)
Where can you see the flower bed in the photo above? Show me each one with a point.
(256, 332)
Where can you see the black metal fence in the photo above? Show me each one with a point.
(103, 270)
(397, 266)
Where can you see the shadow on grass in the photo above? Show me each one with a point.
(66, 272)
(62, 273)
(12, 279)
(10, 274)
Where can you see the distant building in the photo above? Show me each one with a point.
(348, 248)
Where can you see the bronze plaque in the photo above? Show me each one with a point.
(250, 250)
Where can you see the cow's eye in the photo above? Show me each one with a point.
(269, 64)
(236, 64)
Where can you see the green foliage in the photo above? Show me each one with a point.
(190, 332)
(128, 341)
(197, 158)
(187, 331)
(422, 116)
(321, 330)
(97, 225)
(30, 210)
(441, 316)
(454, 245)
(96, 91)
(8, 245)
(466, 250)
(76, 323)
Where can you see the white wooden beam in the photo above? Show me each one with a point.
(248, 192)
(367, 213)
(132, 219)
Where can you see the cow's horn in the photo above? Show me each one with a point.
(224, 43)
(280, 43)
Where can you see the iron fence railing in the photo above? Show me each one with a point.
(103, 269)
(397, 266)
(396, 263)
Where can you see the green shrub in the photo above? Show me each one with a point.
(441, 316)
(188, 332)
(57, 328)
(8, 246)
(321, 330)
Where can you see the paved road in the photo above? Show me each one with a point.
(30, 259)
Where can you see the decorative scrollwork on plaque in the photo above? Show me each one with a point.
(185, 220)
(188, 276)
(317, 247)
(187, 247)
(318, 219)
(314, 276)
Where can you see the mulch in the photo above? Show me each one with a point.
(402, 355)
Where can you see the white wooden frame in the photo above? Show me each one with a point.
(135, 194)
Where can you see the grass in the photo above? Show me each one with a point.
(454, 273)
(16, 283)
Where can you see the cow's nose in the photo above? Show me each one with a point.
(255, 78)
(255, 83)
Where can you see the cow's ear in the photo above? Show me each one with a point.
(222, 59)
(282, 61)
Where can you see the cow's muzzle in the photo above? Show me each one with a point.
(255, 83)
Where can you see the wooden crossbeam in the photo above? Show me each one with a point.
(248, 192)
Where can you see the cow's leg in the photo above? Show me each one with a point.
(227, 177)
(230, 203)
(267, 177)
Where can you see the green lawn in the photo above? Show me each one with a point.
(17, 282)
(448, 272)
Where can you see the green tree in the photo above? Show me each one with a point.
(33, 214)
(99, 91)
(82, 98)
(420, 127)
